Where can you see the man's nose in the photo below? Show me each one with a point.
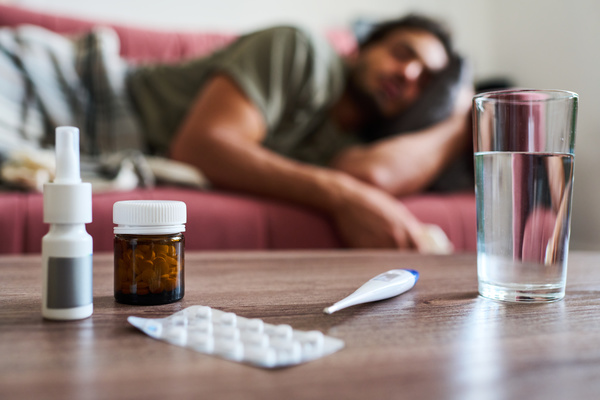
(411, 70)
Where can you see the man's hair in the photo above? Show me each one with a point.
(412, 21)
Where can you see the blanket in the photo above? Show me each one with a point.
(49, 80)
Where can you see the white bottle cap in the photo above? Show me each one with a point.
(149, 217)
(67, 200)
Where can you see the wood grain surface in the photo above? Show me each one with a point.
(437, 341)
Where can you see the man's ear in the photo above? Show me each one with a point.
(435, 104)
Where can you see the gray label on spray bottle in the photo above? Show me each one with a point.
(69, 282)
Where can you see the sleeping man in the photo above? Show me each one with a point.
(279, 113)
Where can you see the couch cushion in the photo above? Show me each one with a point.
(216, 221)
(13, 212)
(220, 220)
(227, 221)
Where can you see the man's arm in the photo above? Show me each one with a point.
(222, 136)
(408, 163)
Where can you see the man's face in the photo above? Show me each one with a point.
(393, 71)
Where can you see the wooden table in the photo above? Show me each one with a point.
(437, 341)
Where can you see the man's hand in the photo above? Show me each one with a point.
(408, 163)
(367, 217)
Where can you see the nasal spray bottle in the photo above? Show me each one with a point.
(67, 247)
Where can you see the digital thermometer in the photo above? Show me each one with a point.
(383, 286)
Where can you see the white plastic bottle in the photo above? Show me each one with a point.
(67, 247)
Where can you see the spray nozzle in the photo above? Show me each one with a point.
(67, 155)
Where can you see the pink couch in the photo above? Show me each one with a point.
(217, 220)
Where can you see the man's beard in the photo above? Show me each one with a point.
(366, 102)
(374, 116)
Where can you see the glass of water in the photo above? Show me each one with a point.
(524, 153)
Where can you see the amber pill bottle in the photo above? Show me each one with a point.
(149, 251)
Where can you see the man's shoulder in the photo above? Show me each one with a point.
(293, 35)
(286, 31)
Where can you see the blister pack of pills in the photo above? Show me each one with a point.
(229, 336)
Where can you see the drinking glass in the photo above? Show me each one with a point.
(524, 154)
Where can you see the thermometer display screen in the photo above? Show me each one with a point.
(386, 277)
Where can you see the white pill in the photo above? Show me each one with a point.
(177, 320)
(289, 353)
(227, 332)
(228, 319)
(283, 332)
(315, 338)
(230, 349)
(265, 357)
(201, 342)
(254, 325)
(201, 326)
(255, 339)
(278, 342)
(203, 312)
(312, 345)
(176, 335)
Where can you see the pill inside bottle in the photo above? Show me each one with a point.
(149, 251)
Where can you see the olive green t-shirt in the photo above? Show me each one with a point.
(292, 77)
